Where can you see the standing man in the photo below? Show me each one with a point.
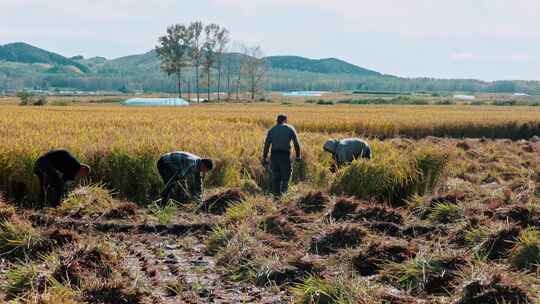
(279, 138)
(344, 151)
(183, 174)
(54, 169)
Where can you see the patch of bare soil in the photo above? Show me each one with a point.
(123, 210)
(295, 270)
(499, 244)
(387, 228)
(419, 230)
(60, 237)
(389, 297)
(113, 294)
(519, 214)
(379, 214)
(313, 202)
(448, 198)
(278, 226)
(177, 270)
(344, 208)
(337, 237)
(444, 282)
(77, 266)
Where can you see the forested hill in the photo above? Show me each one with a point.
(25, 66)
(324, 66)
(25, 53)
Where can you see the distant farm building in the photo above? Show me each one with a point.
(303, 94)
(464, 97)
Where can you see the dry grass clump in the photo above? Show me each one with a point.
(279, 226)
(114, 293)
(86, 273)
(242, 253)
(344, 208)
(378, 214)
(522, 215)
(445, 213)
(345, 288)
(60, 237)
(373, 259)
(499, 244)
(448, 198)
(218, 239)
(218, 203)
(526, 252)
(425, 273)
(470, 233)
(19, 279)
(283, 274)
(6, 211)
(337, 237)
(18, 239)
(123, 210)
(87, 200)
(313, 202)
(239, 212)
(250, 186)
(392, 177)
(89, 262)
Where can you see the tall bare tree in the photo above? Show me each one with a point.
(173, 50)
(236, 67)
(196, 50)
(254, 67)
(222, 40)
(211, 32)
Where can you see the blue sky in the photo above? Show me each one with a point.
(483, 39)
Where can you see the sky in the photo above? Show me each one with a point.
(481, 39)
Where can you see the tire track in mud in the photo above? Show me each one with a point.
(176, 270)
(169, 262)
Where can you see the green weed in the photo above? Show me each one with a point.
(526, 252)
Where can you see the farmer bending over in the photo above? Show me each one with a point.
(279, 138)
(183, 173)
(344, 151)
(54, 169)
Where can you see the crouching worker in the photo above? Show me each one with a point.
(183, 174)
(344, 151)
(54, 169)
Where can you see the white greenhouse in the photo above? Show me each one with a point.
(156, 102)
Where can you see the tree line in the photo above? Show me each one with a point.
(204, 51)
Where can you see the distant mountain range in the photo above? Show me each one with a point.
(26, 66)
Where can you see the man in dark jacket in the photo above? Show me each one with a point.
(182, 173)
(54, 169)
(344, 151)
(279, 139)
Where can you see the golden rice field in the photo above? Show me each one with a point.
(433, 218)
(121, 142)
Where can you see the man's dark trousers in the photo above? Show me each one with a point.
(51, 185)
(179, 191)
(280, 163)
